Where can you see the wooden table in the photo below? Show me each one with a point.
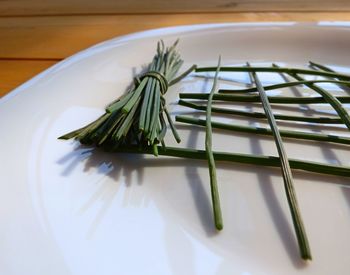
(32, 42)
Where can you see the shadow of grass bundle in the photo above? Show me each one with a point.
(139, 116)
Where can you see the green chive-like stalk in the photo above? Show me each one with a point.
(266, 131)
(286, 173)
(321, 67)
(328, 97)
(281, 85)
(344, 86)
(255, 98)
(211, 162)
(258, 160)
(219, 110)
(276, 70)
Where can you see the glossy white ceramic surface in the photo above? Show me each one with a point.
(65, 209)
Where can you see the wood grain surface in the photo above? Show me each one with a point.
(65, 7)
(30, 44)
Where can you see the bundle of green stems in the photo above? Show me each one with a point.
(138, 116)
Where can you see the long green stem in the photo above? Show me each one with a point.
(328, 97)
(275, 70)
(172, 126)
(255, 98)
(211, 162)
(332, 100)
(183, 75)
(218, 110)
(321, 67)
(286, 173)
(266, 131)
(344, 86)
(280, 86)
(268, 161)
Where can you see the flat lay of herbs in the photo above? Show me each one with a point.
(137, 122)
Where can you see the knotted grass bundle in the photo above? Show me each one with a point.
(139, 116)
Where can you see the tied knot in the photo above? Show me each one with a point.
(163, 82)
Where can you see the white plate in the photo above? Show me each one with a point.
(63, 211)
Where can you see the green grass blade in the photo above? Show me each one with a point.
(276, 70)
(144, 105)
(281, 85)
(218, 110)
(155, 111)
(211, 162)
(86, 129)
(344, 86)
(136, 95)
(328, 97)
(172, 126)
(266, 131)
(286, 173)
(183, 75)
(259, 160)
(255, 98)
(118, 104)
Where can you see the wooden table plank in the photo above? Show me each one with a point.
(61, 36)
(50, 7)
(32, 44)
